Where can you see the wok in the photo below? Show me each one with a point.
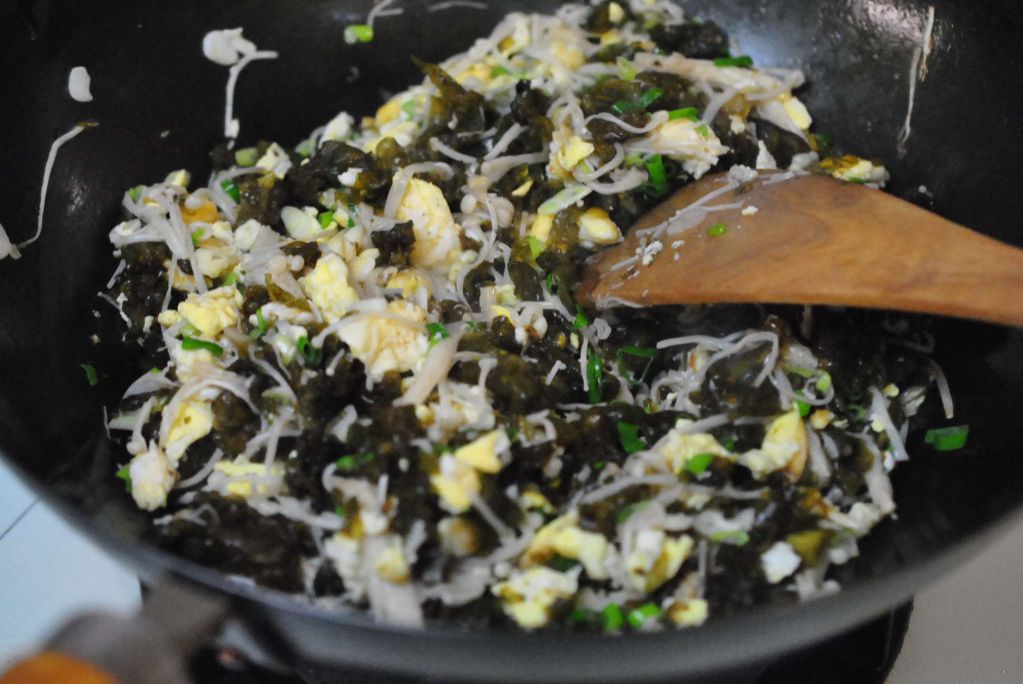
(149, 76)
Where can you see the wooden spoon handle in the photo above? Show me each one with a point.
(814, 240)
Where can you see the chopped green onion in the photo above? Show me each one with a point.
(613, 617)
(633, 159)
(90, 374)
(581, 321)
(536, 246)
(358, 33)
(353, 461)
(338, 511)
(621, 107)
(628, 433)
(231, 278)
(193, 344)
(325, 218)
(647, 353)
(703, 130)
(154, 370)
(728, 443)
(583, 616)
(263, 326)
(740, 61)
(437, 332)
(564, 199)
(197, 236)
(823, 382)
(311, 354)
(626, 69)
(657, 186)
(823, 140)
(232, 190)
(305, 148)
(948, 439)
(801, 371)
(804, 408)
(717, 230)
(550, 282)
(351, 215)
(639, 616)
(648, 98)
(247, 156)
(699, 463)
(125, 474)
(599, 465)
(594, 377)
(499, 71)
(409, 107)
(136, 192)
(734, 537)
(624, 514)
(691, 113)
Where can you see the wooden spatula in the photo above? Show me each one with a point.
(806, 239)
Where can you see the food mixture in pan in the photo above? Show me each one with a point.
(372, 385)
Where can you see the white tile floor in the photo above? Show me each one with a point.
(967, 629)
(48, 571)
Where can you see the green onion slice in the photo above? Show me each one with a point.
(744, 61)
(358, 33)
(232, 190)
(628, 433)
(626, 69)
(657, 185)
(437, 332)
(262, 327)
(581, 321)
(353, 461)
(949, 438)
(699, 463)
(247, 156)
(691, 113)
(613, 617)
(734, 537)
(311, 354)
(325, 218)
(639, 616)
(90, 374)
(536, 246)
(717, 230)
(125, 474)
(194, 344)
(648, 98)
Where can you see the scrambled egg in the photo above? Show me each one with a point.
(212, 311)
(456, 483)
(854, 169)
(339, 128)
(796, 111)
(189, 363)
(656, 559)
(409, 281)
(193, 421)
(541, 228)
(574, 151)
(691, 613)
(391, 565)
(242, 474)
(482, 453)
(597, 227)
(563, 537)
(784, 448)
(458, 536)
(327, 286)
(527, 596)
(437, 242)
(678, 449)
(152, 477)
(395, 340)
(690, 142)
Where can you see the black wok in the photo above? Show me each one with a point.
(149, 76)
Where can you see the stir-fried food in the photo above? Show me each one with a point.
(372, 385)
